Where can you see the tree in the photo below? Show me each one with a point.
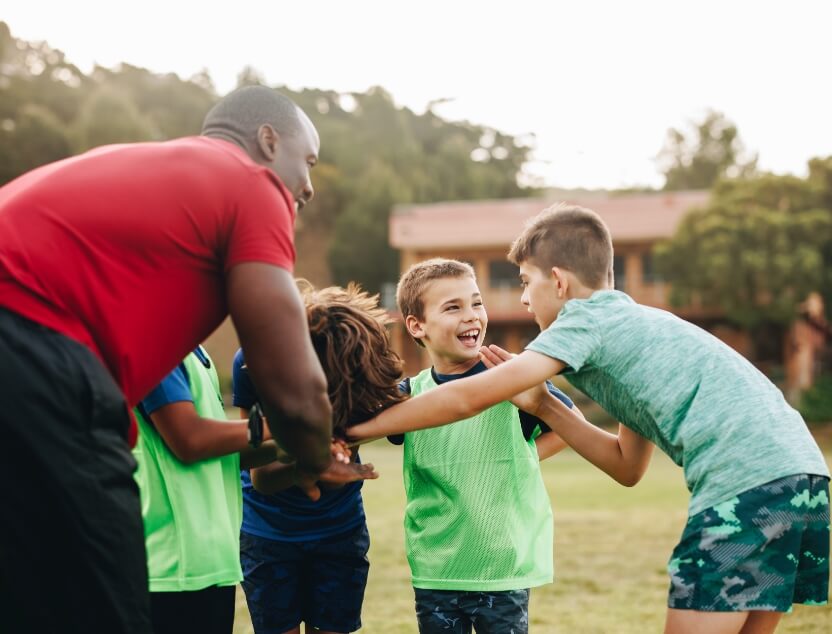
(33, 138)
(387, 155)
(110, 117)
(710, 150)
(374, 155)
(755, 251)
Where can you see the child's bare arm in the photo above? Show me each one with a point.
(459, 399)
(548, 445)
(624, 457)
(192, 437)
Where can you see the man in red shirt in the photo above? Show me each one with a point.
(113, 266)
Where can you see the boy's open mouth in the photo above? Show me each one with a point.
(469, 337)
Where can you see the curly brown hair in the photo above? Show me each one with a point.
(349, 334)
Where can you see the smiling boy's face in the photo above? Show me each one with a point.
(454, 323)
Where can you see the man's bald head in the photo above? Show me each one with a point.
(239, 115)
(273, 131)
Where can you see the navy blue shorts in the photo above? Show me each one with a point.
(317, 582)
(456, 612)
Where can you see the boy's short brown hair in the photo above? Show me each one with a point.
(570, 237)
(413, 283)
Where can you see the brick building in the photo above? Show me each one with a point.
(480, 232)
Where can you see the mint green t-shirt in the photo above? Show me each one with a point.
(478, 516)
(191, 513)
(680, 387)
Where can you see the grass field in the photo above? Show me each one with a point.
(611, 547)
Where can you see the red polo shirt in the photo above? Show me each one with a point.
(125, 248)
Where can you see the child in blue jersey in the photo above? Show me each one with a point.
(478, 522)
(757, 537)
(304, 560)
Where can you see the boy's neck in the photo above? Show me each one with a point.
(579, 291)
(444, 366)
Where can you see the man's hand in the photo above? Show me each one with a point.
(528, 401)
(307, 481)
(340, 474)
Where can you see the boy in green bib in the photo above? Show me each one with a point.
(188, 474)
(478, 523)
(757, 538)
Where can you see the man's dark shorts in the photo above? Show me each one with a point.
(318, 582)
(72, 555)
(762, 550)
(457, 611)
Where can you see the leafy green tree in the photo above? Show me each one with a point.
(110, 117)
(387, 155)
(755, 251)
(375, 154)
(36, 136)
(711, 149)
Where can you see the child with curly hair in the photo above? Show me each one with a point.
(305, 560)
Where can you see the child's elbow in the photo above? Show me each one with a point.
(186, 453)
(629, 478)
(188, 448)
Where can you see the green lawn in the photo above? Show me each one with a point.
(611, 547)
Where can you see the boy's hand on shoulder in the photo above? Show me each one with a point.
(529, 401)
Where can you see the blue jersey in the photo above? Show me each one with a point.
(174, 388)
(290, 515)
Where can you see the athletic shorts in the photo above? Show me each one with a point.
(318, 582)
(458, 611)
(765, 549)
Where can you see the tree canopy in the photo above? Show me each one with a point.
(374, 153)
(758, 249)
(711, 149)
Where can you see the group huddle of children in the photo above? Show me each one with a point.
(478, 522)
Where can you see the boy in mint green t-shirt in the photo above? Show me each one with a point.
(478, 524)
(757, 538)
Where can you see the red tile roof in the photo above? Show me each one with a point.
(490, 223)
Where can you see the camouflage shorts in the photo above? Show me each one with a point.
(762, 550)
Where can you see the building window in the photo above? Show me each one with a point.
(502, 274)
(619, 272)
(649, 274)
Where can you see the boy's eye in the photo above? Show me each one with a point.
(451, 307)
(477, 303)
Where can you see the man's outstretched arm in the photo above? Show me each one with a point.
(270, 319)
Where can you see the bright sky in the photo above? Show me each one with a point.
(597, 82)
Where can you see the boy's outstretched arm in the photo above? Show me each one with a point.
(624, 457)
(460, 399)
(270, 319)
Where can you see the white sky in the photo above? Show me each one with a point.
(598, 82)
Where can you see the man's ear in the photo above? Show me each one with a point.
(267, 141)
(414, 327)
(561, 280)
